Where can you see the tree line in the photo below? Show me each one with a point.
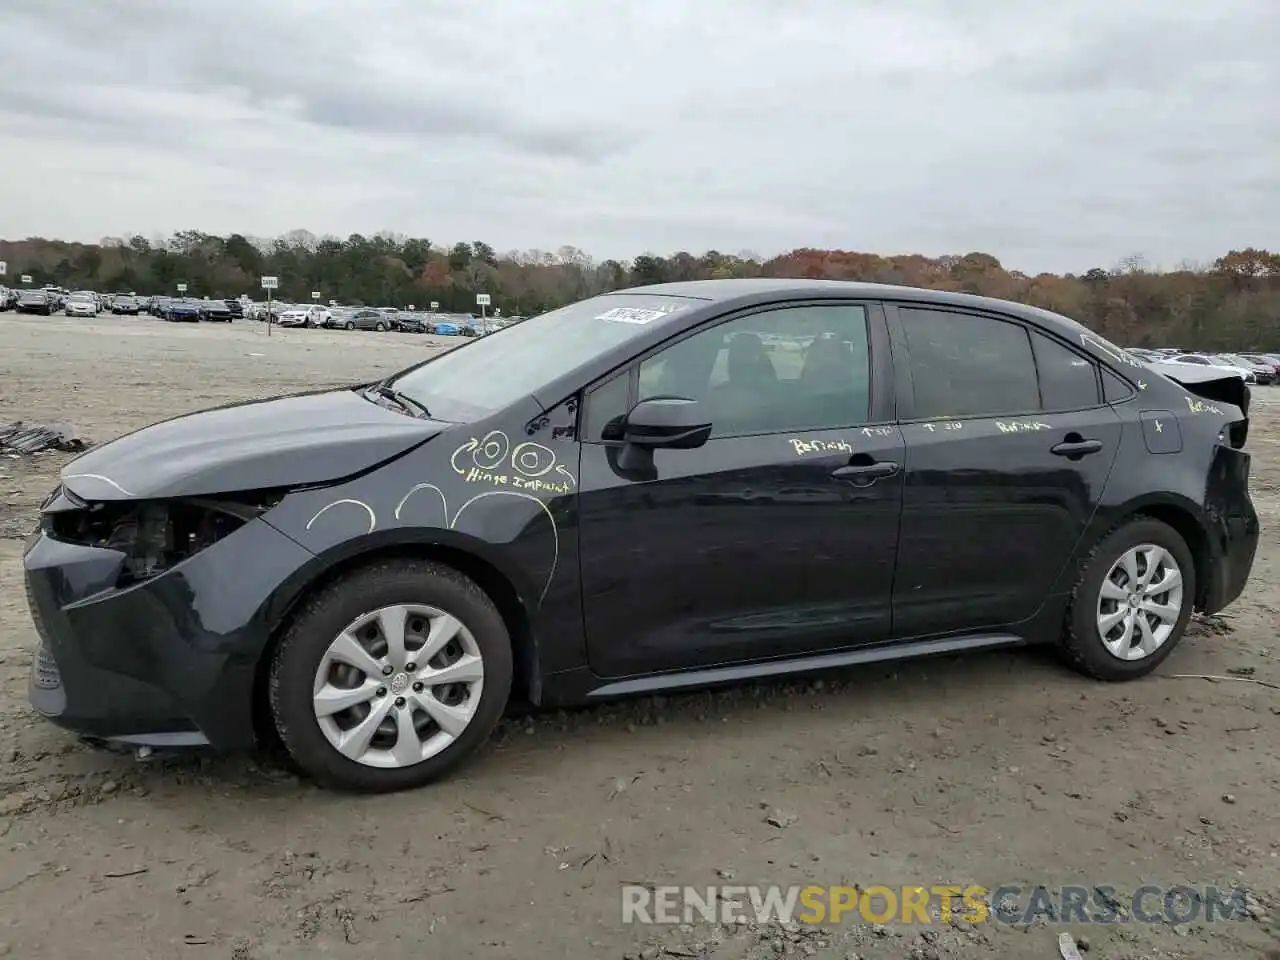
(1231, 304)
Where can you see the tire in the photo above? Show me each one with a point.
(305, 648)
(380, 327)
(1082, 641)
(350, 325)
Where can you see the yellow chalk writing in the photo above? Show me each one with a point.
(1021, 426)
(476, 475)
(802, 447)
(1199, 406)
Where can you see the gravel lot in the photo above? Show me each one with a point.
(994, 769)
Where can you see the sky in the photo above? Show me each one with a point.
(1056, 136)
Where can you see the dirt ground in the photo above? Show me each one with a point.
(993, 769)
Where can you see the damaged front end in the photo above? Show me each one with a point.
(151, 536)
(152, 613)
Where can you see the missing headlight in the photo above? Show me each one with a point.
(156, 535)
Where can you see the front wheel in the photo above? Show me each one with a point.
(380, 327)
(390, 677)
(350, 325)
(1132, 602)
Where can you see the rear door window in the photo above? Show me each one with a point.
(966, 365)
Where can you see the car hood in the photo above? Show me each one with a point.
(288, 441)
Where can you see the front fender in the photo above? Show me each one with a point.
(378, 541)
(389, 510)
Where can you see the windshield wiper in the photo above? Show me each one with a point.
(403, 400)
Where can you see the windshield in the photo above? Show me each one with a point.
(492, 372)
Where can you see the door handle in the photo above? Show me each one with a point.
(1075, 448)
(866, 472)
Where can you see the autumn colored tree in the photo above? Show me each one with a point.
(1233, 304)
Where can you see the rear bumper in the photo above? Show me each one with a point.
(1233, 528)
(168, 662)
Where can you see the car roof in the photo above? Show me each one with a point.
(745, 291)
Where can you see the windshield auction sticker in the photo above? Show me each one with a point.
(640, 315)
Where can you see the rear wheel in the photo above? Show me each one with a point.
(380, 326)
(390, 677)
(1132, 603)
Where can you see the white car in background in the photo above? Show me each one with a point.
(312, 315)
(1200, 360)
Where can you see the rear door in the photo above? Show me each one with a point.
(1009, 447)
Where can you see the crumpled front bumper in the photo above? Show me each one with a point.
(170, 661)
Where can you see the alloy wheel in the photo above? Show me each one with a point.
(1140, 602)
(398, 685)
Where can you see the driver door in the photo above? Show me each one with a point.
(769, 540)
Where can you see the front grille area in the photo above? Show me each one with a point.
(45, 670)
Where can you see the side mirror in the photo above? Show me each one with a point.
(672, 423)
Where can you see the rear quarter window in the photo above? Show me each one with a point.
(1115, 388)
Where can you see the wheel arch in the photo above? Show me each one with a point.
(501, 589)
(1182, 514)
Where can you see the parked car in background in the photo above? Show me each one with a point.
(304, 315)
(367, 319)
(123, 305)
(236, 308)
(338, 316)
(216, 311)
(35, 301)
(1263, 373)
(1202, 360)
(79, 305)
(1271, 359)
(159, 307)
(409, 322)
(183, 310)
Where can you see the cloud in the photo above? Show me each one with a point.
(1057, 137)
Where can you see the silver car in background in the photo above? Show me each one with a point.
(79, 305)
